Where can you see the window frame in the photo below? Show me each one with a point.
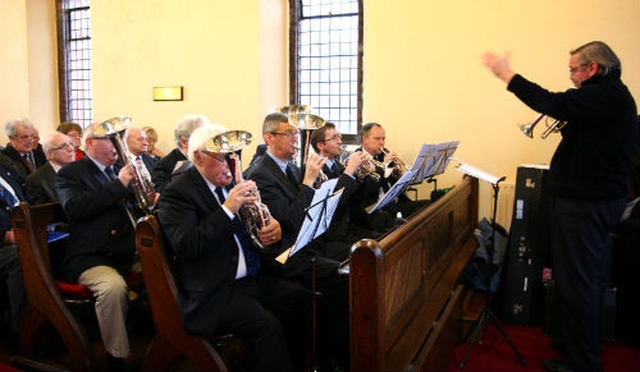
(295, 16)
(64, 82)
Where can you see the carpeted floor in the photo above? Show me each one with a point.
(495, 354)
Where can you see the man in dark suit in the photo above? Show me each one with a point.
(373, 139)
(288, 194)
(137, 144)
(327, 142)
(222, 283)
(102, 242)
(20, 132)
(41, 184)
(11, 194)
(176, 161)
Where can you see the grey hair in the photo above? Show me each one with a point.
(11, 127)
(48, 142)
(186, 125)
(272, 122)
(602, 55)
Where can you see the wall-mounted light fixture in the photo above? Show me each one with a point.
(167, 93)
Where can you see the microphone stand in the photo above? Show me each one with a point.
(487, 314)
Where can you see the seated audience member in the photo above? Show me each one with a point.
(101, 247)
(20, 132)
(11, 194)
(41, 184)
(152, 140)
(37, 147)
(176, 161)
(16, 166)
(373, 139)
(287, 195)
(137, 144)
(73, 131)
(327, 142)
(223, 284)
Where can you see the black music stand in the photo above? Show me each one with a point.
(487, 314)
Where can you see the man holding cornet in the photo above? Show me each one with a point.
(223, 278)
(587, 183)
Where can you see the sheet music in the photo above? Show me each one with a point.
(478, 173)
(319, 214)
(433, 159)
(398, 188)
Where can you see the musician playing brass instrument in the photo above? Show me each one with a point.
(224, 280)
(373, 140)
(327, 142)
(288, 193)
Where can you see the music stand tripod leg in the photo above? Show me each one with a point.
(487, 313)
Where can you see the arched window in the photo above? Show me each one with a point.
(326, 61)
(74, 60)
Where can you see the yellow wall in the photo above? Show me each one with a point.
(29, 64)
(423, 77)
(425, 82)
(14, 95)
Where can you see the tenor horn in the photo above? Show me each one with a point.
(254, 215)
(114, 129)
(306, 124)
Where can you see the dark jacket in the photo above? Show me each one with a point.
(41, 185)
(593, 159)
(206, 255)
(101, 232)
(12, 178)
(38, 158)
(163, 169)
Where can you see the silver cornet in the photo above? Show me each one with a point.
(552, 127)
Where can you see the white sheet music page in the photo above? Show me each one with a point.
(399, 187)
(478, 173)
(319, 214)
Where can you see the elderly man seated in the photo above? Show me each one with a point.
(41, 184)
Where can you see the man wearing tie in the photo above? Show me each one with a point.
(11, 194)
(20, 132)
(137, 144)
(223, 283)
(101, 248)
(327, 142)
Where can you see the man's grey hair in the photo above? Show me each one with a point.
(272, 122)
(600, 53)
(186, 125)
(51, 141)
(201, 136)
(11, 127)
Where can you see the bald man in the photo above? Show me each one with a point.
(41, 184)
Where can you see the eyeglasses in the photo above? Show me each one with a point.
(289, 135)
(25, 137)
(575, 69)
(219, 158)
(65, 146)
(334, 138)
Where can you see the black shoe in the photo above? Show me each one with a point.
(115, 364)
(557, 344)
(557, 366)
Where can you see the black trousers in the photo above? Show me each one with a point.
(11, 274)
(579, 236)
(273, 314)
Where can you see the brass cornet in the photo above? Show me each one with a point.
(552, 127)
(399, 166)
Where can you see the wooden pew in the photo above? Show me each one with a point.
(170, 341)
(404, 291)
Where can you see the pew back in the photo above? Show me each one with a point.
(403, 289)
